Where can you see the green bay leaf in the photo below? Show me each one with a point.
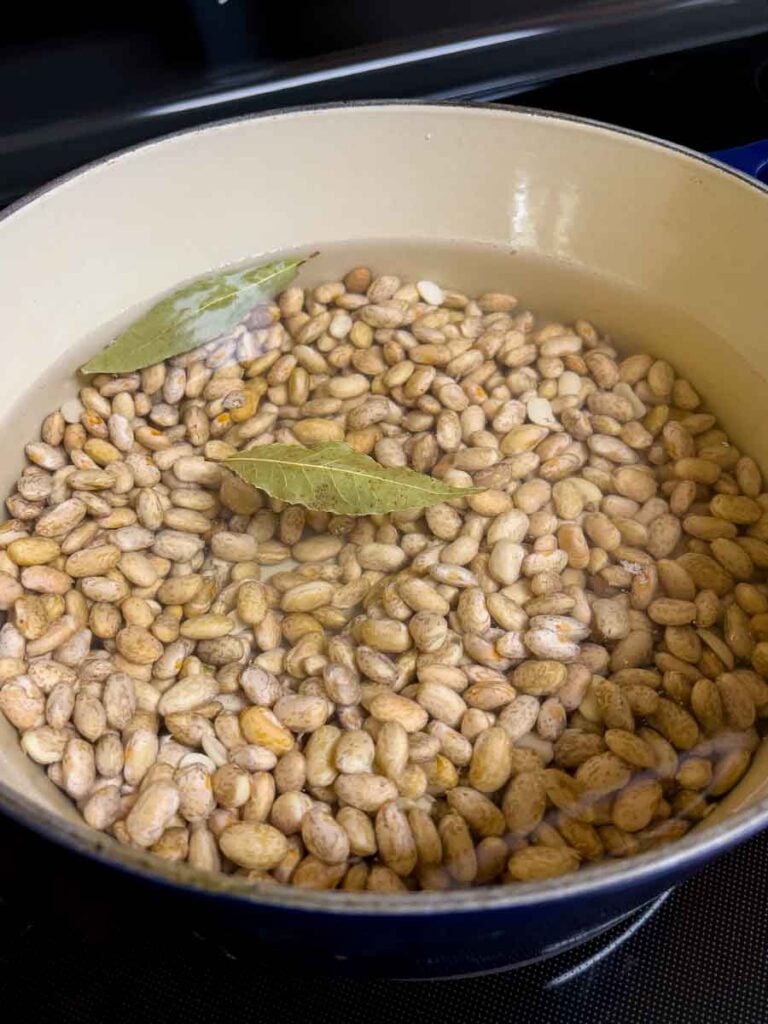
(194, 315)
(333, 477)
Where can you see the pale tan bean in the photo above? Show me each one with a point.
(45, 744)
(611, 618)
(22, 703)
(89, 716)
(429, 847)
(253, 845)
(354, 752)
(480, 813)
(359, 829)
(188, 694)
(141, 750)
(262, 727)
(395, 841)
(506, 561)
(29, 551)
(206, 627)
(728, 770)
(319, 753)
(176, 545)
(285, 813)
(365, 791)
(458, 849)
(324, 837)
(491, 765)
(78, 768)
(519, 717)
(301, 713)
(524, 803)
(307, 596)
(442, 703)
(138, 645)
(676, 725)
(260, 804)
(738, 706)
(392, 749)
(391, 707)
(634, 807)
(492, 855)
(195, 789)
(428, 630)
(670, 611)
(456, 746)
(552, 719)
(234, 547)
(539, 677)
(110, 756)
(536, 863)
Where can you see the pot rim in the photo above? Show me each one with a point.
(634, 871)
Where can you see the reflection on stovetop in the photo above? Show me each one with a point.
(697, 954)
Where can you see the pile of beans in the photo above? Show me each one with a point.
(568, 666)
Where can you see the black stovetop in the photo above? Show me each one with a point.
(699, 956)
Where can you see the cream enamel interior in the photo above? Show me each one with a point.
(665, 250)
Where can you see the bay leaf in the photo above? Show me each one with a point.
(333, 477)
(194, 315)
